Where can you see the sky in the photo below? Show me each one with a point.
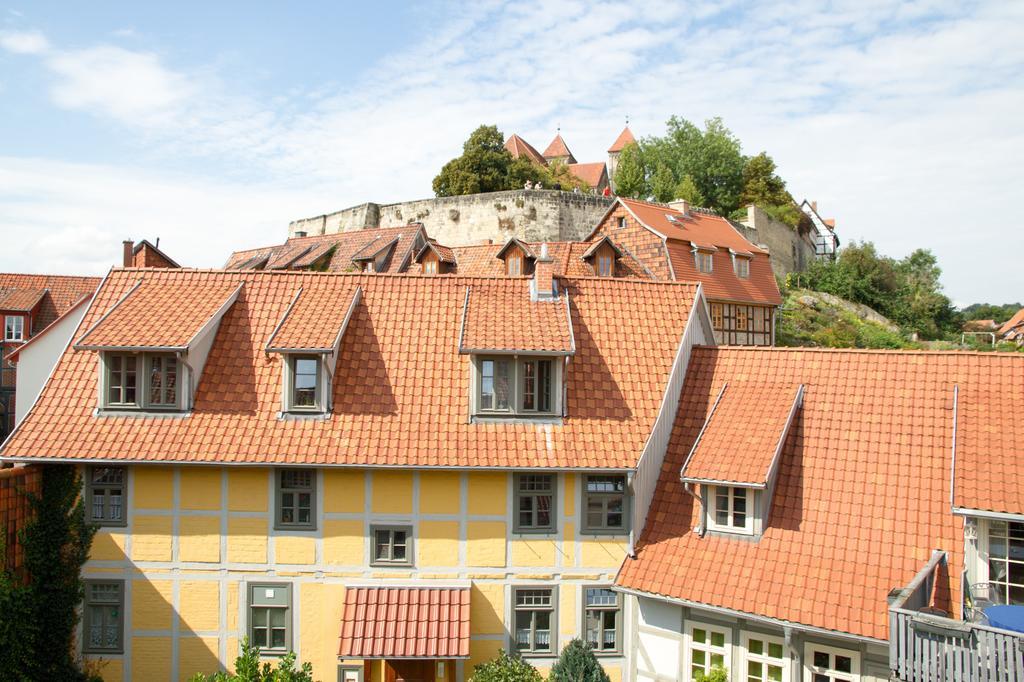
(212, 125)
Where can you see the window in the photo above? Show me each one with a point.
(534, 617)
(826, 664)
(296, 498)
(135, 381)
(430, 267)
(350, 673)
(1006, 561)
(742, 319)
(605, 265)
(622, 223)
(14, 328)
(731, 509)
(742, 266)
(514, 263)
(270, 617)
(392, 545)
(602, 622)
(535, 503)
(716, 315)
(604, 504)
(304, 394)
(703, 261)
(121, 380)
(708, 649)
(106, 495)
(517, 385)
(103, 617)
(766, 658)
(163, 381)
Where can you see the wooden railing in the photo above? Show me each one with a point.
(929, 648)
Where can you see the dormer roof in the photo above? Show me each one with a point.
(513, 241)
(375, 249)
(315, 321)
(624, 138)
(558, 149)
(21, 300)
(61, 293)
(445, 254)
(151, 317)
(593, 249)
(494, 322)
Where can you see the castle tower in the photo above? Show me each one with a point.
(559, 151)
(624, 138)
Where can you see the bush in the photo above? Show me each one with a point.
(577, 663)
(247, 669)
(506, 668)
(717, 674)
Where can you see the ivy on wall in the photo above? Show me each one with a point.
(40, 615)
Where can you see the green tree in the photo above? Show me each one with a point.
(558, 173)
(663, 184)
(39, 617)
(577, 663)
(506, 668)
(920, 305)
(991, 311)
(687, 190)
(485, 166)
(247, 669)
(712, 157)
(763, 186)
(630, 175)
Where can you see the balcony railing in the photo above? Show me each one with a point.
(927, 647)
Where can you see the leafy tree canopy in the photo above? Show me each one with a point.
(506, 668)
(630, 173)
(991, 311)
(577, 663)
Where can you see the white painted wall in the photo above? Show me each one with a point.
(37, 360)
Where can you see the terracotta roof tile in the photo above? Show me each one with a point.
(863, 492)
(591, 173)
(401, 388)
(557, 149)
(405, 622)
(743, 433)
(21, 300)
(502, 318)
(152, 315)
(480, 260)
(624, 138)
(315, 320)
(62, 292)
(518, 148)
(1018, 318)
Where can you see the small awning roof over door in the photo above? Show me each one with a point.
(405, 622)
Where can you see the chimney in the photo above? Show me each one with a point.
(681, 205)
(814, 206)
(128, 253)
(544, 276)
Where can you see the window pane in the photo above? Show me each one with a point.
(821, 659)
(699, 657)
(718, 639)
(844, 664)
(544, 385)
(277, 618)
(259, 637)
(755, 646)
(775, 650)
(593, 627)
(502, 387)
(278, 638)
(259, 617)
(529, 385)
(700, 635)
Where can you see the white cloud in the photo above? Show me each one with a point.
(902, 119)
(24, 42)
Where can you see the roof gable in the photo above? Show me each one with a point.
(558, 149)
(624, 138)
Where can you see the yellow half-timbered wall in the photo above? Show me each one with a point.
(196, 535)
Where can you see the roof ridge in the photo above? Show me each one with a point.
(862, 351)
(43, 274)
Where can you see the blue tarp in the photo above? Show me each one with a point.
(1006, 617)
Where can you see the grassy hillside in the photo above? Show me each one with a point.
(808, 318)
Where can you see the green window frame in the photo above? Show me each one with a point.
(392, 545)
(305, 390)
(535, 620)
(296, 499)
(536, 503)
(602, 619)
(270, 617)
(106, 495)
(103, 617)
(605, 504)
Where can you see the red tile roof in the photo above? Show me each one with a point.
(697, 228)
(315, 320)
(863, 492)
(594, 174)
(743, 434)
(405, 622)
(401, 388)
(152, 315)
(624, 138)
(1017, 319)
(63, 291)
(558, 149)
(480, 260)
(301, 253)
(21, 300)
(519, 148)
(35, 337)
(502, 318)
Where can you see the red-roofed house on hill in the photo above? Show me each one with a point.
(597, 175)
(28, 305)
(677, 242)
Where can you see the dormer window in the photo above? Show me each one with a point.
(622, 222)
(14, 328)
(514, 264)
(430, 266)
(605, 265)
(702, 259)
(516, 385)
(741, 265)
(305, 390)
(731, 509)
(136, 381)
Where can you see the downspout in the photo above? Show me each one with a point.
(631, 543)
(183, 359)
(700, 529)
